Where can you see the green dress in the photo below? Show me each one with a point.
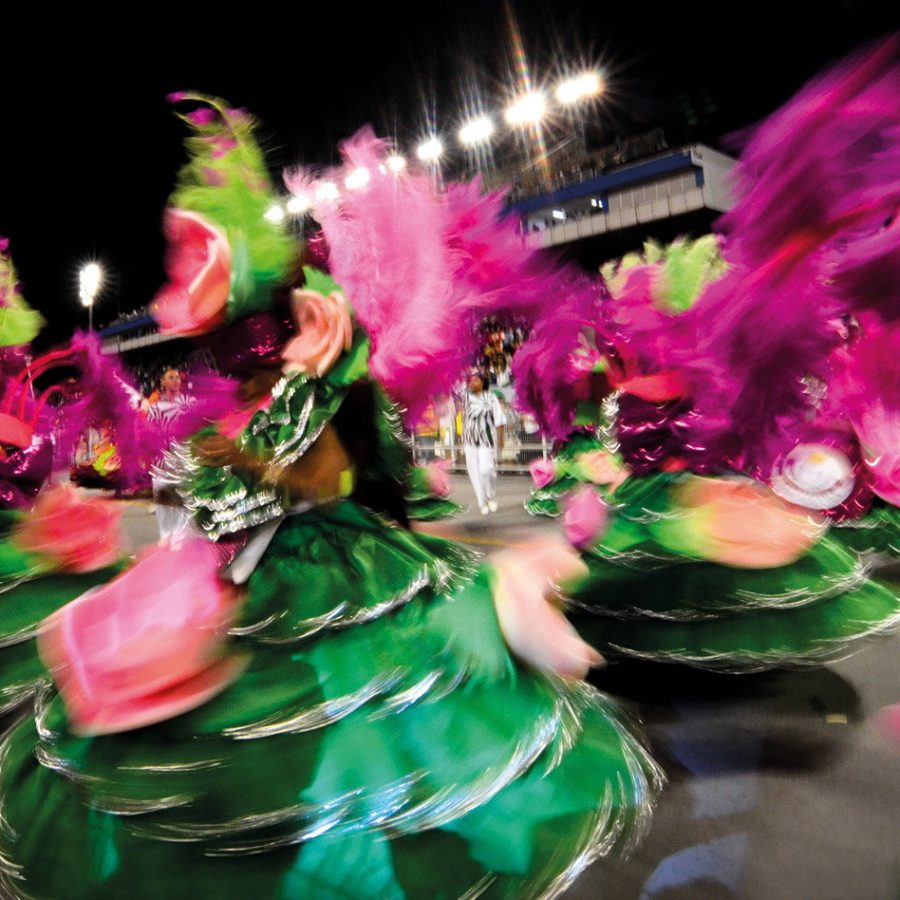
(645, 598)
(382, 743)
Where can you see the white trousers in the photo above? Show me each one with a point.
(173, 521)
(482, 473)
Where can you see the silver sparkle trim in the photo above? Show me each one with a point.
(194, 832)
(42, 701)
(320, 715)
(740, 661)
(283, 458)
(308, 627)
(300, 441)
(405, 699)
(246, 630)
(744, 600)
(633, 798)
(201, 766)
(474, 892)
(454, 801)
(5, 827)
(19, 637)
(242, 522)
(439, 574)
(17, 694)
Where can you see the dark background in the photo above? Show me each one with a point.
(89, 148)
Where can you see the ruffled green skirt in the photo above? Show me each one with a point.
(381, 744)
(642, 600)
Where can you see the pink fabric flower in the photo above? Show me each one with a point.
(585, 516)
(70, 533)
(325, 332)
(147, 646)
(199, 269)
(534, 629)
(543, 471)
(436, 477)
(737, 522)
(601, 467)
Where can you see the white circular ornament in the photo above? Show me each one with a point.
(813, 475)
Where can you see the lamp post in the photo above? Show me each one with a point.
(90, 280)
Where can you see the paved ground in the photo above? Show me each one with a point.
(779, 786)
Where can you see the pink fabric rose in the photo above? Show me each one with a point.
(737, 522)
(70, 533)
(436, 477)
(325, 332)
(585, 516)
(199, 268)
(534, 628)
(543, 471)
(148, 645)
(600, 467)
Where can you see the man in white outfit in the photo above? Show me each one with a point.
(483, 423)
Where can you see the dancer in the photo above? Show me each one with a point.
(483, 427)
(54, 545)
(163, 408)
(354, 709)
(726, 437)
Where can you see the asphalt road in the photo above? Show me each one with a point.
(779, 786)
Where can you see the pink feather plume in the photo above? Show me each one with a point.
(421, 268)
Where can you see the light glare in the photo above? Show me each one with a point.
(298, 205)
(396, 163)
(358, 178)
(326, 191)
(275, 214)
(476, 131)
(579, 88)
(90, 279)
(430, 151)
(527, 109)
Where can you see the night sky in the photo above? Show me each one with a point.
(89, 148)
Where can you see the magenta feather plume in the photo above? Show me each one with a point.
(421, 268)
(754, 342)
(549, 380)
(865, 391)
(811, 239)
(866, 271)
(825, 165)
(107, 394)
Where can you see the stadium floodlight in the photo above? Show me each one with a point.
(581, 87)
(527, 109)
